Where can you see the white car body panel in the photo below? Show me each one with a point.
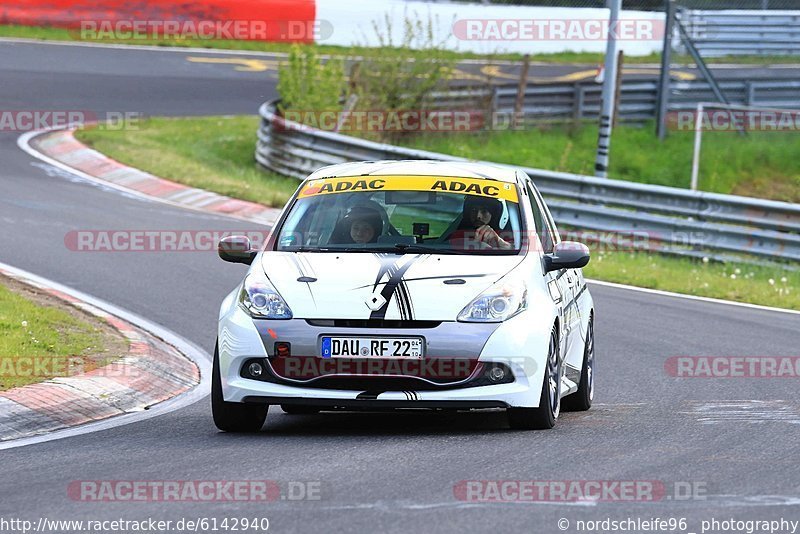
(345, 282)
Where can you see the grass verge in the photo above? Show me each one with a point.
(768, 286)
(214, 153)
(47, 33)
(223, 148)
(43, 338)
(761, 164)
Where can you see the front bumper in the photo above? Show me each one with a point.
(513, 343)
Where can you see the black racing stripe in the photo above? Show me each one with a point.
(390, 266)
(398, 294)
(405, 296)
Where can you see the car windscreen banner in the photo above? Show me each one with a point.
(436, 184)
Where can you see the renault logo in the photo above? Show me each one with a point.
(375, 302)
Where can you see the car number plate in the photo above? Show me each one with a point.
(372, 347)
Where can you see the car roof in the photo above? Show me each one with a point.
(461, 169)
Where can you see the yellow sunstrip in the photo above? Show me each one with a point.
(443, 184)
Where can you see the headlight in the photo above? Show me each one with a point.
(261, 300)
(502, 301)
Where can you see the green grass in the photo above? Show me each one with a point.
(768, 286)
(587, 58)
(41, 342)
(762, 164)
(214, 153)
(224, 151)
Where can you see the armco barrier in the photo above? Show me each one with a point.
(638, 98)
(743, 32)
(273, 15)
(680, 221)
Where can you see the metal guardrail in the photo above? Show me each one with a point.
(679, 221)
(743, 32)
(638, 99)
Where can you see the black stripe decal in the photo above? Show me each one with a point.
(390, 266)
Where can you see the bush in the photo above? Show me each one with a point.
(389, 81)
(308, 83)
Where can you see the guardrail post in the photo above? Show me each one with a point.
(618, 88)
(749, 93)
(578, 104)
(698, 136)
(662, 106)
(521, 86)
(607, 109)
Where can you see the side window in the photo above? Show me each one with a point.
(539, 219)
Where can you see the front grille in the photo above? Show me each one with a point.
(479, 373)
(372, 323)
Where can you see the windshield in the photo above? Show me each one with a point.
(443, 215)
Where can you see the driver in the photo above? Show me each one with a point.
(475, 223)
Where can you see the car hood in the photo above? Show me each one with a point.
(420, 287)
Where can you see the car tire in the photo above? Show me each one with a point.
(545, 416)
(299, 409)
(581, 400)
(233, 416)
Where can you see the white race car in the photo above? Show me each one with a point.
(407, 284)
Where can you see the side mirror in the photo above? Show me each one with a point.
(236, 249)
(567, 255)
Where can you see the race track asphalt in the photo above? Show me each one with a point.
(738, 439)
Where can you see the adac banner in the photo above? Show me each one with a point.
(438, 184)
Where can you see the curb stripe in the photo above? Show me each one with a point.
(150, 372)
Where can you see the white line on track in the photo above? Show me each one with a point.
(692, 297)
(186, 347)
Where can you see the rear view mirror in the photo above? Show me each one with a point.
(567, 255)
(236, 249)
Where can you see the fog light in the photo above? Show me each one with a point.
(255, 369)
(283, 349)
(496, 374)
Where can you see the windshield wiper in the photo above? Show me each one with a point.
(406, 247)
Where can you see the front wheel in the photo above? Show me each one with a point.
(233, 416)
(545, 415)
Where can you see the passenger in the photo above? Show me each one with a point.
(360, 225)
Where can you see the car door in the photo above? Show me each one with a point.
(573, 283)
(557, 281)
